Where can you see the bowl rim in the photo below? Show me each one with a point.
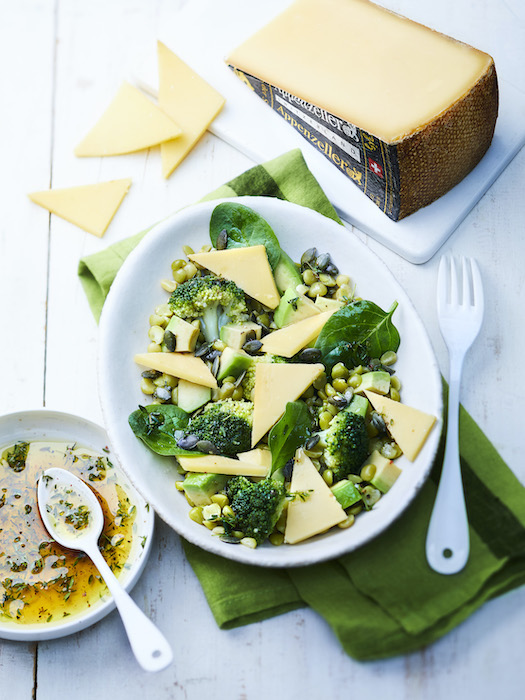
(32, 418)
(259, 556)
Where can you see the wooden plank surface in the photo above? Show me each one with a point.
(61, 62)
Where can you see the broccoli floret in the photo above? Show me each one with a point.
(248, 383)
(212, 300)
(227, 424)
(345, 444)
(256, 506)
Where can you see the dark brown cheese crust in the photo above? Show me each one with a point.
(439, 155)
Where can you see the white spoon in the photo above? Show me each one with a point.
(73, 517)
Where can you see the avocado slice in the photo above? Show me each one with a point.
(386, 472)
(286, 273)
(346, 493)
(293, 307)
(236, 334)
(200, 487)
(185, 334)
(377, 381)
(233, 363)
(191, 396)
(359, 404)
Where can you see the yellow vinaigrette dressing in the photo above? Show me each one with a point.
(40, 581)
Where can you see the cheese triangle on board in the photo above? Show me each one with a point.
(289, 340)
(178, 364)
(275, 385)
(188, 100)
(408, 426)
(318, 512)
(91, 207)
(131, 123)
(247, 267)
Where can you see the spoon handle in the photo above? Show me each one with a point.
(149, 645)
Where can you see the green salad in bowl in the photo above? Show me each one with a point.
(268, 384)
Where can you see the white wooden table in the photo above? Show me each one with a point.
(61, 62)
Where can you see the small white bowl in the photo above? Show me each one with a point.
(54, 426)
(124, 325)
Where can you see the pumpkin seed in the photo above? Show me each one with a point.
(222, 240)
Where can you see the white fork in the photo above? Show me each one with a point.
(460, 308)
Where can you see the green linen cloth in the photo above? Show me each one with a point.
(382, 600)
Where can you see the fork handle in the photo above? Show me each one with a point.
(448, 544)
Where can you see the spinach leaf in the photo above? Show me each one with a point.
(156, 425)
(244, 228)
(357, 331)
(289, 433)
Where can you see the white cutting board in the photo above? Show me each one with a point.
(207, 30)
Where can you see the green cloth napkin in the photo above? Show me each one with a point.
(382, 600)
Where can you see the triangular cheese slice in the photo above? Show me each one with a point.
(130, 123)
(275, 385)
(217, 464)
(178, 364)
(318, 512)
(91, 207)
(247, 267)
(408, 426)
(189, 101)
(289, 340)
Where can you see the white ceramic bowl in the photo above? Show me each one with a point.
(133, 297)
(54, 426)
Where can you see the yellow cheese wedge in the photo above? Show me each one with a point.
(317, 513)
(289, 340)
(259, 455)
(247, 267)
(405, 112)
(408, 426)
(178, 364)
(276, 385)
(217, 464)
(91, 207)
(130, 123)
(189, 101)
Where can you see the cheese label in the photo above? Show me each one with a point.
(366, 160)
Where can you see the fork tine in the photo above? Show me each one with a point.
(467, 295)
(454, 298)
(477, 287)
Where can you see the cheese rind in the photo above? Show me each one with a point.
(189, 101)
(178, 364)
(318, 512)
(408, 426)
(275, 385)
(247, 267)
(90, 207)
(405, 112)
(131, 123)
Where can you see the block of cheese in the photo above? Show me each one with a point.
(178, 364)
(131, 123)
(217, 464)
(247, 267)
(259, 455)
(405, 112)
(408, 426)
(275, 385)
(189, 101)
(91, 207)
(318, 512)
(289, 340)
